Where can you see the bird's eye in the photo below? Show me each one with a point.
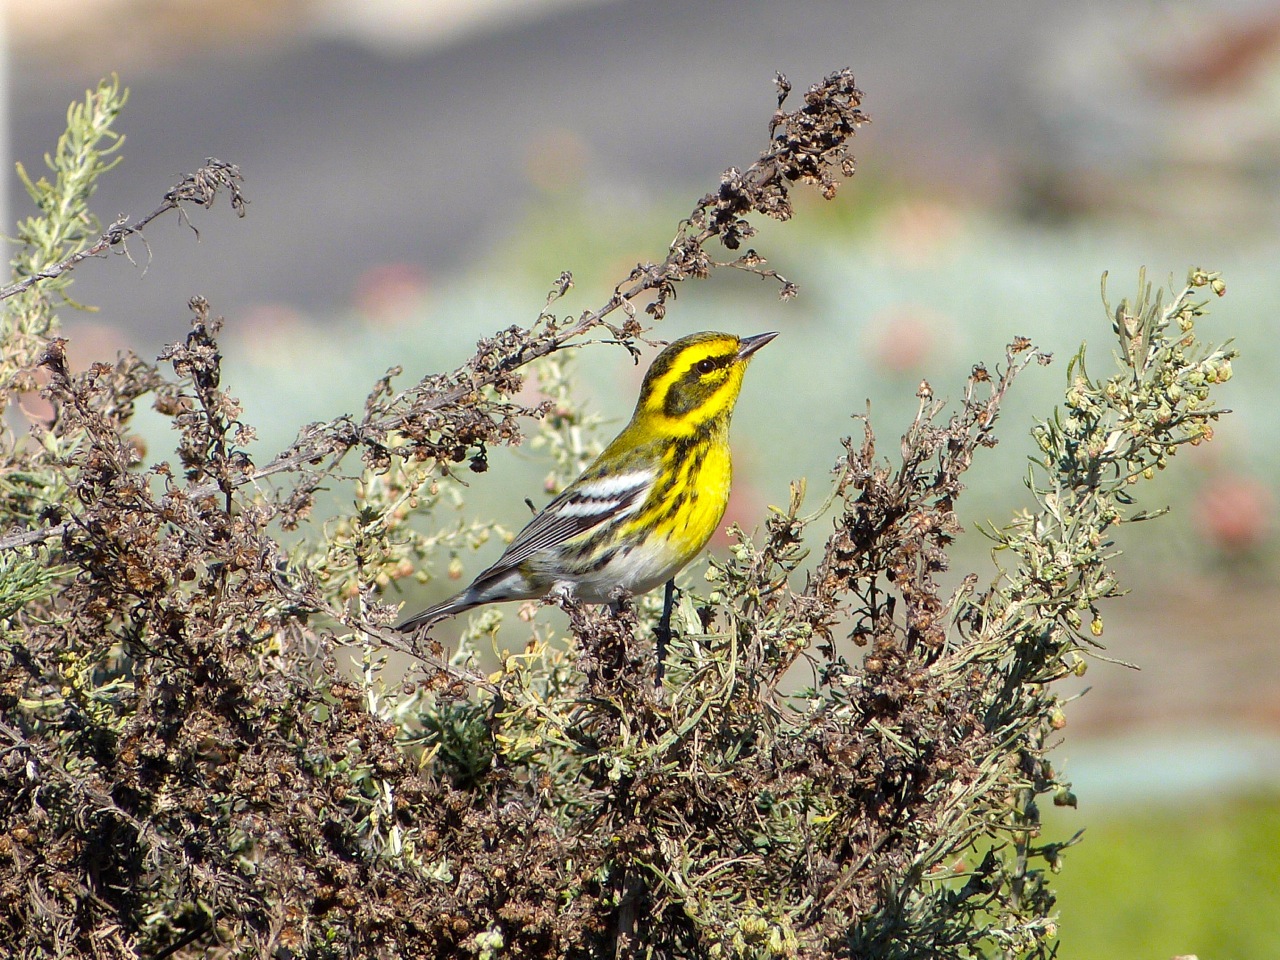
(706, 366)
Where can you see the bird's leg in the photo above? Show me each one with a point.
(664, 626)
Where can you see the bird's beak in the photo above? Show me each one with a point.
(749, 345)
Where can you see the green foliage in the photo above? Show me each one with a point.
(63, 225)
(208, 746)
(23, 581)
(85, 152)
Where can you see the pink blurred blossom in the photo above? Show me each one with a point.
(390, 292)
(920, 231)
(904, 337)
(1234, 513)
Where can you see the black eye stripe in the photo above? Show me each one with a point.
(696, 386)
(707, 364)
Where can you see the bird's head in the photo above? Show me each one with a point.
(696, 379)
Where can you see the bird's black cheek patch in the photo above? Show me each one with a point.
(689, 393)
(685, 397)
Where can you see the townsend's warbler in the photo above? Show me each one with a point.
(647, 505)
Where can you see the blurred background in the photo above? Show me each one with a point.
(420, 172)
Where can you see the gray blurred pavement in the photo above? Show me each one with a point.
(354, 158)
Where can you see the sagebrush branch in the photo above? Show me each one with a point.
(807, 145)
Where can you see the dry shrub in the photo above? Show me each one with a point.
(188, 772)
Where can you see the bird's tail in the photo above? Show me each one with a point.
(464, 601)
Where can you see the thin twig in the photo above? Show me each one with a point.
(200, 188)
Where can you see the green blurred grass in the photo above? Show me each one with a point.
(1159, 880)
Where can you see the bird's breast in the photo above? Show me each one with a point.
(708, 487)
(688, 501)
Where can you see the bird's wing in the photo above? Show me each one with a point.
(589, 503)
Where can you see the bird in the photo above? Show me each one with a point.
(644, 508)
